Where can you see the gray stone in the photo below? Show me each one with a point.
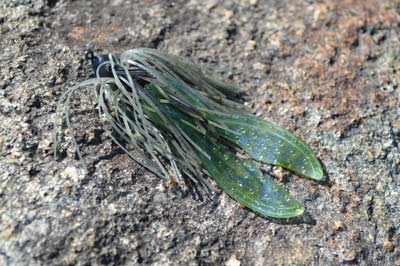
(327, 71)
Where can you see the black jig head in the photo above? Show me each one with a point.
(100, 64)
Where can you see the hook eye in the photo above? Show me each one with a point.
(89, 55)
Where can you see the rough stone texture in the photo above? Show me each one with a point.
(329, 71)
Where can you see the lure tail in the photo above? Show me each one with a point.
(187, 126)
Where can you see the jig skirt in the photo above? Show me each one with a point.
(187, 126)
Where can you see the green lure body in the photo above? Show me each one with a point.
(187, 125)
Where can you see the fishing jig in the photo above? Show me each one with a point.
(187, 125)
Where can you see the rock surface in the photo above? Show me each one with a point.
(328, 71)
